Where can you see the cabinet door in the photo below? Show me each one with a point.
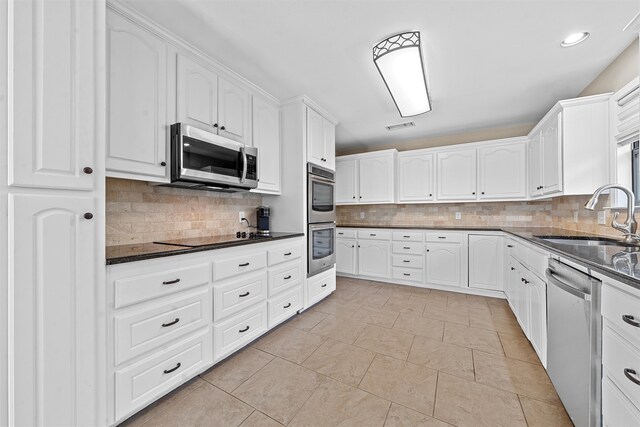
(415, 177)
(376, 180)
(485, 262)
(535, 166)
(266, 138)
(538, 316)
(346, 256)
(53, 319)
(444, 264)
(552, 155)
(374, 258)
(197, 95)
(502, 171)
(137, 128)
(457, 175)
(329, 137)
(234, 109)
(346, 181)
(315, 138)
(55, 110)
(522, 299)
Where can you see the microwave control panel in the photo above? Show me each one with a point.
(252, 167)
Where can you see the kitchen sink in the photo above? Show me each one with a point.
(583, 241)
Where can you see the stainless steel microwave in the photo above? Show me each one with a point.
(201, 159)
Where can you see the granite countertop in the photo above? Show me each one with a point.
(138, 252)
(618, 261)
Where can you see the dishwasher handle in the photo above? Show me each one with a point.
(565, 287)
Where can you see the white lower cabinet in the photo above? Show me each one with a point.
(443, 264)
(284, 306)
(537, 315)
(346, 260)
(485, 262)
(374, 258)
(320, 286)
(239, 330)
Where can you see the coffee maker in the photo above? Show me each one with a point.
(262, 214)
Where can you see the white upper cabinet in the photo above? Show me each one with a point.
(550, 140)
(415, 177)
(502, 171)
(234, 108)
(346, 181)
(485, 262)
(535, 166)
(376, 178)
(266, 138)
(197, 101)
(54, 110)
(457, 174)
(137, 127)
(321, 140)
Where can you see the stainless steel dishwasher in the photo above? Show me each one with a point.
(574, 337)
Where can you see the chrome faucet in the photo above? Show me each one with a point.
(630, 226)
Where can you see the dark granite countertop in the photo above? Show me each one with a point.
(139, 252)
(618, 261)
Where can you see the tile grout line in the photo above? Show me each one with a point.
(324, 378)
(524, 414)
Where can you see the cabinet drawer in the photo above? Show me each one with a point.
(131, 290)
(284, 306)
(143, 330)
(617, 355)
(233, 296)
(284, 277)
(344, 233)
(412, 261)
(407, 248)
(411, 274)
(444, 237)
(617, 411)
(232, 334)
(615, 305)
(320, 286)
(229, 267)
(374, 234)
(143, 382)
(284, 253)
(408, 236)
(538, 262)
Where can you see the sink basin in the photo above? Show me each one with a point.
(580, 241)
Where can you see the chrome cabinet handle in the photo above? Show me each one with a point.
(168, 371)
(171, 282)
(627, 318)
(246, 294)
(244, 162)
(166, 325)
(287, 306)
(631, 375)
(246, 328)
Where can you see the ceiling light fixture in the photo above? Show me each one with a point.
(399, 61)
(574, 39)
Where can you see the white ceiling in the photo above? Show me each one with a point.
(491, 63)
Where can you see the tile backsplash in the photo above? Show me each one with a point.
(557, 212)
(139, 213)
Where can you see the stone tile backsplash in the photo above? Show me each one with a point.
(557, 212)
(139, 213)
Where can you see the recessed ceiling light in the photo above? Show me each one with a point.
(574, 39)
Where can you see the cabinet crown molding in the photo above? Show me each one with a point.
(304, 99)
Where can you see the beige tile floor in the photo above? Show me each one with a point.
(375, 354)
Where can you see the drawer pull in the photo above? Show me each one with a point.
(168, 371)
(171, 282)
(406, 237)
(406, 247)
(246, 294)
(407, 274)
(509, 246)
(287, 277)
(443, 237)
(324, 286)
(287, 254)
(243, 264)
(244, 330)
(631, 320)
(166, 325)
(340, 234)
(406, 260)
(373, 235)
(631, 375)
(287, 306)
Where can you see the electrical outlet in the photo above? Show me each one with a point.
(575, 216)
(458, 215)
(602, 218)
(240, 216)
(361, 215)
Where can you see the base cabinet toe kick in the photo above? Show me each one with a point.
(172, 318)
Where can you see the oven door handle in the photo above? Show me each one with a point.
(244, 164)
(567, 288)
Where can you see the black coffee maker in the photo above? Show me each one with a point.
(263, 213)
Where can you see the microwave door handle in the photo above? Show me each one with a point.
(244, 165)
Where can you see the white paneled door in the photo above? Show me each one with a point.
(346, 181)
(415, 177)
(266, 138)
(52, 322)
(443, 264)
(376, 179)
(551, 155)
(485, 262)
(457, 175)
(374, 258)
(234, 109)
(197, 95)
(502, 171)
(346, 256)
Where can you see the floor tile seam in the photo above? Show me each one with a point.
(162, 411)
(255, 373)
(247, 417)
(537, 399)
(516, 392)
(523, 412)
(313, 352)
(393, 401)
(324, 378)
